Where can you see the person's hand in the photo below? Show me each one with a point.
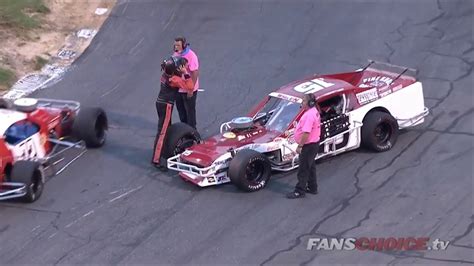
(190, 94)
(298, 150)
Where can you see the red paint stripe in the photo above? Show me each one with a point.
(159, 145)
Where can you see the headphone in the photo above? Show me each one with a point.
(311, 99)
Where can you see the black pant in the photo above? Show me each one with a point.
(307, 167)
(187, 108)
(164, 111)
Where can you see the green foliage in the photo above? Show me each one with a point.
(7, 77)
(40, 62)
(21, 14)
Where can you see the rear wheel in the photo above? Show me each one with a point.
(249, 170)
(91, 126)
(31, 174)
(379, 131)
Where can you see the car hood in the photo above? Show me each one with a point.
(205, 153)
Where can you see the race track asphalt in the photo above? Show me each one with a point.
(112, 207)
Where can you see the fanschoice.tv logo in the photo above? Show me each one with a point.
(377, 244)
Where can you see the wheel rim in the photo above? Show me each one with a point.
(36, 184)
(382, 133)
(183, 143)
(254, 172)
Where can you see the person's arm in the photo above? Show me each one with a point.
(179, 82)
(304, 138)
(195, 75)
(194, 71)
(307, 127)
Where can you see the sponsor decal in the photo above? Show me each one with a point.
(222, 178)
(286, 97)
(229, 135)
(187, 152)
(223, 161)
(377, 81)
(367, 96)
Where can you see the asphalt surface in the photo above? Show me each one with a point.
(112, 207)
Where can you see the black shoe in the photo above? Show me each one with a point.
(312, 191)
(160, 167)
(295, 194)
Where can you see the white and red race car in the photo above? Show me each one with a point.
(41, 136)
(365, 107)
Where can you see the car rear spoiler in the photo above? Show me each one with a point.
(395, 70)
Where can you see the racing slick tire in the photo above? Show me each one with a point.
(179, 137)
(379, 131)
(31, 174)
(249, 170)
(90, 125)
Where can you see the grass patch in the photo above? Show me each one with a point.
(40, 62)
(21, 13)
(7, 77)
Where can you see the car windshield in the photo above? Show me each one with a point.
(277, 114)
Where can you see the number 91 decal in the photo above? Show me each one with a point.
(312, 86)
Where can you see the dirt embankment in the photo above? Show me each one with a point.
(26, 50)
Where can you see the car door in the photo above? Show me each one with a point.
(335, 125)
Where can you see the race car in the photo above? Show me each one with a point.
(37, 136)
(366, 107)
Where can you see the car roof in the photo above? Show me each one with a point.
(317, 84)
(9, 117)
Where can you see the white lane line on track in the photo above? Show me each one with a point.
(77, 220)
(125, 8)
(34, 229)
(110, 91)
(125, 194)
(169, 21)
(103, 204)
(87, 214)
(132, 51)
(114, 192)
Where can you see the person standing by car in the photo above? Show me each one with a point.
(186, 100)
(307, 134)
(171, 80)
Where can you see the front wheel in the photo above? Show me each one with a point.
(179, 137)
(379, 131)
(31, 174)
(249, 170)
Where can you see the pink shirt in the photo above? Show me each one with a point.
(309, 123)
(193, 64)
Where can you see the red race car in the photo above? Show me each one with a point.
(366, 107)
(41, 137)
